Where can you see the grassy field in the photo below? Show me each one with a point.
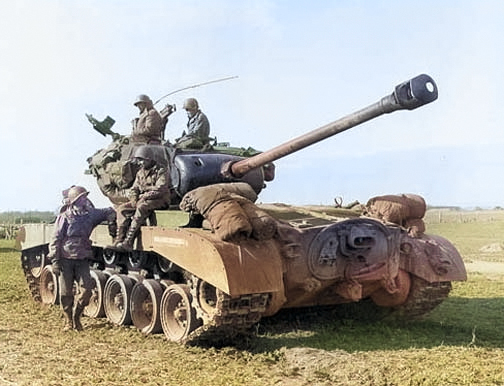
(459, 343)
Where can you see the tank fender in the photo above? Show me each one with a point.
(432, 258)
(237, 269)
(34, 235)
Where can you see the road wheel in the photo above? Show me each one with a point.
(145, 306)
(96, 308)
(117, 299)
(178, 317)
(49, 291)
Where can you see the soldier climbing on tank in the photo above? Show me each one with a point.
(149, 126)
(150, 191)
(198, 128)
(70, 248)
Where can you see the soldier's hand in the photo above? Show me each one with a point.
(56, 267)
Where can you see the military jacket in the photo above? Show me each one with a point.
(198, 126)
(72, 231)
(151, 184)
(148, 127)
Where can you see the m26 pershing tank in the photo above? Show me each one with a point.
(209, 280)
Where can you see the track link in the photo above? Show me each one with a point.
(233, 316)
(33, 282)
(423, 298)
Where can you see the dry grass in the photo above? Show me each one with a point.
(460, 343)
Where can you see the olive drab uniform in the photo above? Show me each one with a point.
(70, 248)
(150, 191)
(149, 126)
(198, 128)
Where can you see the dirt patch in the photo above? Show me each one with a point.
(310, 366)
(306, 359)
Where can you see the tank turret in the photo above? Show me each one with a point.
(189, 170)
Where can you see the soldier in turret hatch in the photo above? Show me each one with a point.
(198, 128)
(148, 127)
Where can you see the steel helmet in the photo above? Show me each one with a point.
(191, 103)
(75, 192)
(143, 98)
(144, 152)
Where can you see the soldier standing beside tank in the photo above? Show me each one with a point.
(149, 126)
(70, 249)
(198, 128)
(150, 191)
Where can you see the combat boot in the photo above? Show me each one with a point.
(66, 305)
(127, 244)
(68, 321)
(119, 237)
(77, 313)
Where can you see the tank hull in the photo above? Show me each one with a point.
(315, 259)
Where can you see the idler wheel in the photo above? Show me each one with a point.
(145, 305)
(49, 290)
(384, 298)
(36, 262)
(206, 295)
(96, 308)
(117, 299)
(178, 317)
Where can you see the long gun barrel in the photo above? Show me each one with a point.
(409, 95)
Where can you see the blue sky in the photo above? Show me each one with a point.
(299, 65)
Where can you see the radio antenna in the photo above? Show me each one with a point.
(194, 86)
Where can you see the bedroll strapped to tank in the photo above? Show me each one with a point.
(406, 210)
(230, 210)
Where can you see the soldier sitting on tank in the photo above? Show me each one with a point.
(198, 128)
(150, 191)
(149, 126)
(70, 249)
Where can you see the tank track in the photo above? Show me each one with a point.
(33, 282)
(232, 317)
(423, 298)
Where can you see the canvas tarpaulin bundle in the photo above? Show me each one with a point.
(406, 210)
(230, 210)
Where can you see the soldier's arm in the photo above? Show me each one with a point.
(152, 123)
(58, 236)
(134, 192)
(161, 187)
(202, 126)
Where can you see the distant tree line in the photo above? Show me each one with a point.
(10, 221)
(26, 217)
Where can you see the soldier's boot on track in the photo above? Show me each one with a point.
(77, 313)
(127, 244)
(119, 237)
